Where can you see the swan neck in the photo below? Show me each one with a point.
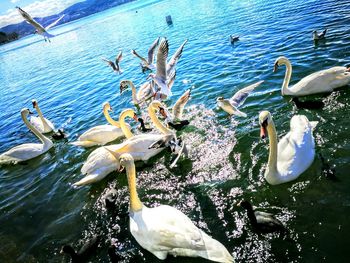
(287, 76)
(272, 162)
(160, 126)
(128, 134)
(41, 137)
(135, 203)
(133, 92)
(43, 120)
(109, 119)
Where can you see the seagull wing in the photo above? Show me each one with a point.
(119, 57)
(162, 55)
(54, 23)
(137, 55)
(180, 104)
(29, 19)
(110, 63)
(241, 95)
(175, 58)
(171, 79)
(151, 51)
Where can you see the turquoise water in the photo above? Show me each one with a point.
(40, 210)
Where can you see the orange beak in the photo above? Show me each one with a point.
(262, 132)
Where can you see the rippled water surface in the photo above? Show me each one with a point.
(40, 210)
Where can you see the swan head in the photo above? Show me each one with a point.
(265, 119)
(126, 160)
(107, 106)
(124, 85)
(280, 61)
(129, 113)
(163, 112)
(25, 112)
(35, 103)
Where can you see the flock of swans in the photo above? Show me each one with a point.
(165, 230)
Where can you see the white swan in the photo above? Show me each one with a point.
(319, 82)
(164, 230)
(26, 151)
(105, 160)
(294, 153)
(42, 124)
(101, 134)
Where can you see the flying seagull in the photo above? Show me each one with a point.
(231, 105)
(115, 65)
(39, 29)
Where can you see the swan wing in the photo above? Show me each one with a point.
(37, 123)
(101, 134)
(180, 104)
(24, 152)
(54, 23)
(175, 58)
(151, 51)
(241, 95)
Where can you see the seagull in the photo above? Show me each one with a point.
(317, 36)
(231, 105)
(39, 29)
(115, 65)
(233, 39)
(147, 64)
(170, 67)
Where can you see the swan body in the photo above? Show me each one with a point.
(165, 230)
(42, 124)
(294, 153)
(105, 160)
(26, 151)
(319, 82)
(101, 134)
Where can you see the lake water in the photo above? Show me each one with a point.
(40, 210)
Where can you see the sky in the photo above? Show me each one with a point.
(36, 8)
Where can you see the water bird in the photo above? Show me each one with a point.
(115, 65)
(84, 252)
(318, 82)
(309, 104)
(27, 151)
(110, 198)
(262, 222)
(101, 134)
(105, 160)
(318, 36)
(143, 127)
(233, 39)
(59, 135)
(231, 105)
(147, 64)
(294, 153)
(171, 65)
(164, 230)
(174, 119)
(39, 29)
(42, 124)
(145, 92)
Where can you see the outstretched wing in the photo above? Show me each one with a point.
(151, 51)
(162, 55)
(133, 51)
(119, 57)
(241, 95)
(54, 23)
(29, 19)
(175, 58)
(180, 104)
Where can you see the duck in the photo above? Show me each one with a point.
(105, 160)
(84, 252)
(27, 151)
(42, 124)
(318, 36)
(143, 127)
(323, 81)
(294, 153)
(262, 222)
(164, 230)
(115, 65)
(147, 64)
(101, 134)
(233, 39)
(174, 119)
(59, 135)
(231, 105)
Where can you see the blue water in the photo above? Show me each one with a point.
(40, 210)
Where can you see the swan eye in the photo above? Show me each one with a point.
(264, 123)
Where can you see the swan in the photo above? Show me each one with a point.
(294, 153)
(147, 64)
(101, 134)
(42, 124)
(231, 105)
(27, 151)
(105, 160)
(319, 82)
(164, 230)
(174, 119)
(115, 65)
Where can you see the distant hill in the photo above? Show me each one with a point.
(73, 12)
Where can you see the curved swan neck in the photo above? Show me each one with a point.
(271, 169)
(133, 92)
(135, 203)
(287, 76)
(41, 137)
(109, 118)
(160, 126)
(128, 134)
(43, 120)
